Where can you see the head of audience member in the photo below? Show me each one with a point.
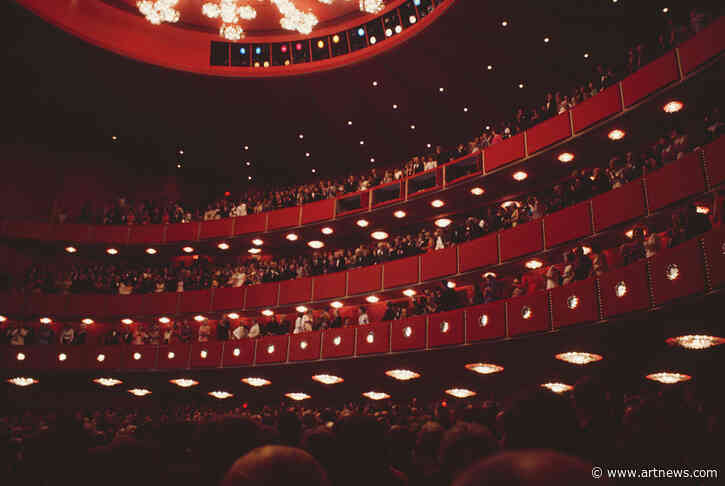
(462, 445)
(276, 466)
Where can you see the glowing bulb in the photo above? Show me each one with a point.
(256, 382)
(303, 345)
(20, 356)
(297, 396)
(223, 246)
(557, 387)
(199, 318)
(460, 392)
(171, 355)
(301, 308)
(484, 368)
(136, 356)
(534, 264)
(668, 378)
(437, 203)
(370, 338)
(578, 358)
(402, 375)
(268, 312)
(327, 379)
(184, 382)
(400, 214)
(327, 230)
(337, 340)
(127, 321)
(407, 331)
(443, 222)
(363, 223)
(233, 315)
(696, 341)
(477, 191)
(316, 244)
(379, 235)
(45, 320)
(520, 176)
(257, 242)
(107, 381)
(151, 251)
(139, 392)
(236, 352)
(673, 106)
(373, 395)
(566, 157)
(62, 357)
(87, 321)
(112, 251)
(254, 251)
(188, 249)
(71, 249)
(203, 354)
(372, 299)
(409, 292)
(221, 395)
(164, 320)
(616, 134)
(22, 381)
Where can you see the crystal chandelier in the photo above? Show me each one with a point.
(230, 13)
(371, 6)
(157, 11)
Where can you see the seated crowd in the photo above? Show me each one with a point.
(124, 211)
(538, 438)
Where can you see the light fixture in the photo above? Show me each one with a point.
(586, 250)
(112, 251)
(171, 355)
(407, 331)
(521, 85)
(546, 40)
(336, 304)
(139, 392)
(620, 290)
(505, 23)
(301, 308)
(534, 264)
(362, 142)
(489, 68)
(257, 242)
(526, 312)
(223, 246)
(337, 340)
(199, 318)
(307, 154)
(45, 320)
(270, 349)
(303, 344)
(579, 358)
(373, 395)
(233, 315)
(465, 109)
(316, 244)
(484, 368)
(400, 214)
(203, 354)
(151, 251)
(572, 302)
(616, 134)
(402, 375)
(440, 90)
(62, 357)
(483, 320)
(87, 321)
(327, 379)
(586, 55)
(363, 223)
(237, 352)
(702, 209)
(437, 203)
(71, 249)
(372, 299)
(22, 381)
(136, 356)
(672, 272)
(327, 230)
(254, 251)
(127, 321)
(668, 378)
(629, 234)
(409, 292)
(557, 387)
(696, 341)
(256, 382)
(477, 191)
(412, 19)
(665, 10)
(443, 222)
(565, 157)
(520, 175)
(451, 284)
(188, 249)
(673, 106)
(395, 107)
(375, 83)
(268, 312)
(221, 395)
(489, 274)
(398, 29)
(158, 11)
(20, 356)
(370, 338)
(114, 137)
(297, 396)
(164, 320)
(460, 392)
(373, 40)
(379, 235)
(184, 382)
(107, 381)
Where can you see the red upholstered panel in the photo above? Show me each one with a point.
(495, 321)
(703, 46)
(675, 181)
(293, 291)
(272, 349)
(28, 230)
(401, 272)
(178, 361)
(111, 234)
(691, 278)
(400, 342)
(521, 240)
(182, 232)
(228, 298)
(539, 318)
(380, 335)
(312, 347)
(113, 358)
(213, 354)
(715, 250)
(568, 224)
(126, 305)
(262, 295)
(715, 157)
(71, 233)
(284, 218)
(582, 296)
(220, 228)
(364, 280)
(11, 304)
(441, 334)
(618, 205)
(504, 152)
(163, 303)
(75, 357)
(479, 253)
(244, 356)
(91, 305)
(439, 263)
(548, 133)
(146, 234)
(596, 108)
(318, 211)
(330, 286)
(195, 301)
(650, 78)
(146, 361)
(635, 290)
(47, 305)
(252, 223)
(346, 346)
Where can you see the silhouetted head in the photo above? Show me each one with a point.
(276, 466)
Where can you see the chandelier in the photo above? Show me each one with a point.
(157, 11)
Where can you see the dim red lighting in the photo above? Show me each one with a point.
(284, 48)
(298, 46)
(227, 194)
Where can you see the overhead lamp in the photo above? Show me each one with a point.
(534, 264)
(237, 352)
(437, 203)
(546, 40)
(301, 308)
(521, 85)
(87, 321)
(257, 242)
(233, 315)
(62, 357)
(696, 341)
(199, 318)
(164, 320)
(673, 106)
(22, 381)
(460, 392)
(409, 292)
(489, 274)
(402, 375)
(579, 358)
(398, 29)
(151, 251)
(45, 320)
(702, 209)
(220, 395)
(127, 321)
(112, 251)
(71, 249)
(101, 357)
(379, 235)
(616, 134)
(327, 379)
(297, 396)
(188, 249)
(136, 356)
(254, 251)
(668, 377)
(451, 284)
(373, 395)
(3, 318)
(520, 175)
(139, 392)
(184, 382)
(268, 312)
(484, 368)
(256, 382)
(316, 244)
(373, 299)
(363, 223)
(171, 355)
(557, 387)
(336, 304)
(328, 231)
(477, 191)
(400, 214)
(565, 157)
(443, 222)
(223, 246)
(107, 381)
(20, 356)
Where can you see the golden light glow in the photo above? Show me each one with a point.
(3, 318)
(223, 246)
(337, 340)
(372, 299)
(520, 175)
(336, 304)
(668, 378)
(557, 387)
(268, 312)
(702, 209)
(616, 134)
(443, 222)
(112, 251)
(127, 321)
(586, 250)
(506, 204)
(188, 249)
(164, 320)
(400, 214)
(71, 249)
(22, 381)
(451, 284)
(221, 395)
(620, 290)
(572, 302)
(184, 382)
(254, 251)
(445, 327)
(379, 235)
(579, 358)
(199, 318)
(407, 331)
(437, 203)
(534, 264)
(316, 244)
(297, 396)
(171, 355)
(460, 392)
(301, 308)
(373, 395)
(230, 14)
(101, 358)
(327, 379)
(328, 231)
(257, 242)
(158, 11)
(87, 321)
(292, 236)
(402, 375)
(672, 272)
(45, 320)
(107, 381)
(673, 106)
(136, 356)
(370, 338)
(303, 344)
(20, 356)
(270, 349)
(369, 6)
(139, 392)
(526, 312)
(483, 320)
(477, 191)
(565, 157)
(237, 352)
(489, 274)
(695, 341)
(62, 357)
(233, 315)
(256, 382)
(484, 368)
(409, 292)
(203, 353)
(363, 223)
(151, 251)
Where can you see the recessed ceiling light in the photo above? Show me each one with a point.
(673, 106)
(316, 244)
(441, 90)
(188, 249)
(223, 246)
(402, 375)
(534, 264)
(372, 159)
(114, 138)
(327, 379)
(379, 235)
(314, 171)
(184, 382)
(616, 134)
(373, 299)
(696, 341)
(460, 392)
(254, 251)
(349, 122)
(565, 157)
(256, 382)
(477, 191)
(437, 203)
(400, 214)
(363, 223)
(327, 230)
(409, 292)
(178, 166)
(257, 242)
(87, 321)
(292, 236)
(220, 394)
(668, 378)
(112, 251)
(484, 368)
(297, 396)
(248, 164)
(246, 147)
(139, 392)
(465, 109)
(71, 249)
(557, 387)
(107, 381)
(520, 175)
(336, 304)
(62, 357)
(373, 395)
(412, 127)
(575, 357)
(443, 222)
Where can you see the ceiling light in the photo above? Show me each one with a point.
(505, 23)
(114, 137)
(320, 44)
(373, 40)
(437, 203)
(375, 83)
(451, 284)
(112, 251)
(297, 396)
(188, 249)
(223, 246)
(521, 85)
(484, 368)
(370, 338)
(301, 136)
(477, 191)
(268, 312)
(412, 19)
(327, 379)
(3, 318)
(45, 320)
(22, 381)
(151, 251)
(246, 147)
(327, 230)
(178, 166)
(233, 315)
(307, 154)
(221, 395)
(577, 358)
(407, 331)
(586, 250)
(702, 209)
(534, 264)
(199, 318)
(184, 382)
(136, 356)
(460, 392)
(336, 304)
(668, 378)
(62, 357)
(87, 321)
(20, 356)
(236, 352)
(256, 382)
(71, 249)
(565, 157)
(409, 292)
(292, 236)
(443, 222)
(379, 235)
(316, 244)
(506, 204)
(557, 387)
(465, 109)
(270, 349)
(395, 107)
(616, 134)
(673, 106)
(373, 299)
(586, 55)
(257, 242)
(303, 345)
(665, 10)
(164, 320)
(254, 251)
(363, 223)
(400, 214)
(362, 142)
(546, 40)
(171, 355)
(373, 395)
(402, 375)
(101, 358)
(489, 67)
(158, 11)
(696, 341)
(489, 274)
(301, 308)
(398, 29)
(127, 321)
(139, 392)
(412, 127)
(107, 381)
(520, 175)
